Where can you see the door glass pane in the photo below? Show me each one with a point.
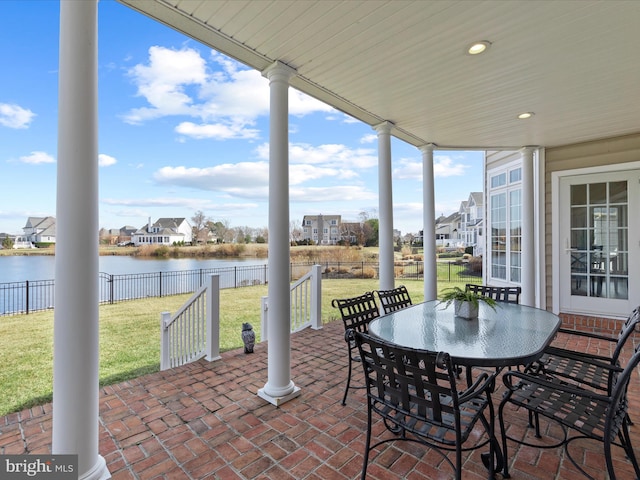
(499, 236)
(597, 193)
(579, 239)
(599, 240)
(499, 265)
(579, 285)
(515, 267)
(578, 262)
(578, 217)
(578, 194)
(618, 192)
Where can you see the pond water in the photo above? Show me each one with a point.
(20, 268)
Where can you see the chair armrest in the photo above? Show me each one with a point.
(508, 377)
(597, 360)
(484, 382)
(580, 333)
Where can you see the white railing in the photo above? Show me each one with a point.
(306, 304)
(193, 332)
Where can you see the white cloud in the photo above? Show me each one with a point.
(37, 158)
(343, 193)
(164, 81)
(192, 203)
(443, 166)
(216, 131)
(14, 116)
(106, 160)
(301, 104)
(224, 96)
(328, 155)
(369, 138)
(226, 177)
(251, 179)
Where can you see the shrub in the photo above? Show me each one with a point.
(406, 251)
(161, 251)
(368, 272)
(475, 264)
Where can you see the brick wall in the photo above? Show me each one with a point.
(605, 326)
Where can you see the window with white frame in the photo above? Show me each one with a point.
(505, 222)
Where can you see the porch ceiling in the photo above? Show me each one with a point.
(574, 64)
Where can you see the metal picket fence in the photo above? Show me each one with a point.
(19, 298)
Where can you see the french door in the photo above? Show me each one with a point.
(600, 243)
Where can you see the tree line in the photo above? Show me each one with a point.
(363, 232)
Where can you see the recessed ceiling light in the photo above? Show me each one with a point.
(478, 47)
(525, 115)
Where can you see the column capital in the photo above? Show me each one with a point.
(427, 147)
(279, 71)
(384, 127)
(528, 149)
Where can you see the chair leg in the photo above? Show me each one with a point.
(628, 448)
(503, 431)
(346, 390)
(367, 444)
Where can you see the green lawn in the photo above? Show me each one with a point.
(130, 336)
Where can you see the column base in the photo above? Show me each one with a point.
(98, 472)
(277, 401)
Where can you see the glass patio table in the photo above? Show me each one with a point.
(510, 335)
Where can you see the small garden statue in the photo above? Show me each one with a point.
(248, 337)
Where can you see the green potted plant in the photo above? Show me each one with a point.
(465, 302)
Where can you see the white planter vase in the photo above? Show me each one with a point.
(465, 309)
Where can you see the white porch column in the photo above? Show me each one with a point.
(528, 230)
(279, 387)
(385, 207)
(428, 224)
(75, 332)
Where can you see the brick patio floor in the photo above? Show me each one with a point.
(205, 420)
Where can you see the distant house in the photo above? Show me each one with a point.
(165, 231)
(39, 230)
(471, 222)
(447, 230)
(350, 232)
(125, 234)
(322, 229)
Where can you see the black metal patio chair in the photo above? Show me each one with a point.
(499, 294)
(585, 368)
(581, 413)
(356, 314)
(394, 299)
(415, 393)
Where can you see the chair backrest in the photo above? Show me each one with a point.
(625, 333)
(499, 294)
(358, 311)
(617, 413)
(395, 299)
(418, 383)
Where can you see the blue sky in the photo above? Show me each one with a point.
(183, 128)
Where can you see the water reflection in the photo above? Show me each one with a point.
(42, 267)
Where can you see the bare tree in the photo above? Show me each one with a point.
(295, 230)
(264, 233)
(221, 230)
(200, 230)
